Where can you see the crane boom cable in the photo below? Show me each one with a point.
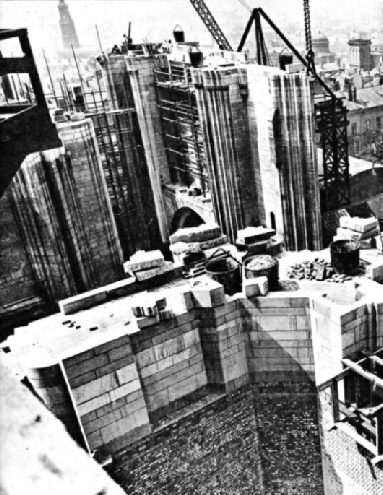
(246, 5)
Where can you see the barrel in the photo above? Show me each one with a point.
(345, 256)
(263, 265)
(226, 270)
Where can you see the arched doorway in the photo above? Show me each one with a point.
(185, 217)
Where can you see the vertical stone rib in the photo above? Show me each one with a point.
(141, 70)
(215, 107)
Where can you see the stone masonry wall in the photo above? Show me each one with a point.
(16, 274)
(146, 393)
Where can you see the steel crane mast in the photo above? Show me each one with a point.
(211, 24)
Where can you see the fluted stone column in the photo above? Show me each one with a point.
(280, 111)
(65, 217)
(142, 79)
(222, 110)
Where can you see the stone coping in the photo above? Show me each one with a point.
(61, 336)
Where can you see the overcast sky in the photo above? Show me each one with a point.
(156, 18)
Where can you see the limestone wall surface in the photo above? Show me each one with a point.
(63, 228)
(141, 71)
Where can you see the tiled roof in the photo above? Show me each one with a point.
(366, 97)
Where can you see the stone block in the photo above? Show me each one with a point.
(358, 224)
(147, 321)
(82, 301)
(120, 288)
(196, 247)
(256, 286)
(153, 272)
(86, 366)
(148, 304)
(356, 236)
(105, 420)
(127, 374)
(202, 233)
(95, 388)
(250, 235)
(375, 271)
(112, 344)
(124, 390)
(207, 293)
(144, 260)
(94, 404)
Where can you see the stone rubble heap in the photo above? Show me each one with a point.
(318, 270)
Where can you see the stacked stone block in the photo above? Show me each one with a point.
(49, 383)
(169, 360)
(224, 346)
(340, 332)
(108, 395)
(279, 332)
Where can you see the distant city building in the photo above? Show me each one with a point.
(68, 30)
(365, 114)
(377, 51)
(359, 54)
(321, 48)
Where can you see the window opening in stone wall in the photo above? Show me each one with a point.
(273, 221)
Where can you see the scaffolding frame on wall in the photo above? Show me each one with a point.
(180, 123)
(119, 141)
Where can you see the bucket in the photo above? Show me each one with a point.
(196, 59)
(179, 35)
(344, 256)
(285, 59)
(263, 265)
(226, 270)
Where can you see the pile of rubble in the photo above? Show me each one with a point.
(319, 270)
(365, 231)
